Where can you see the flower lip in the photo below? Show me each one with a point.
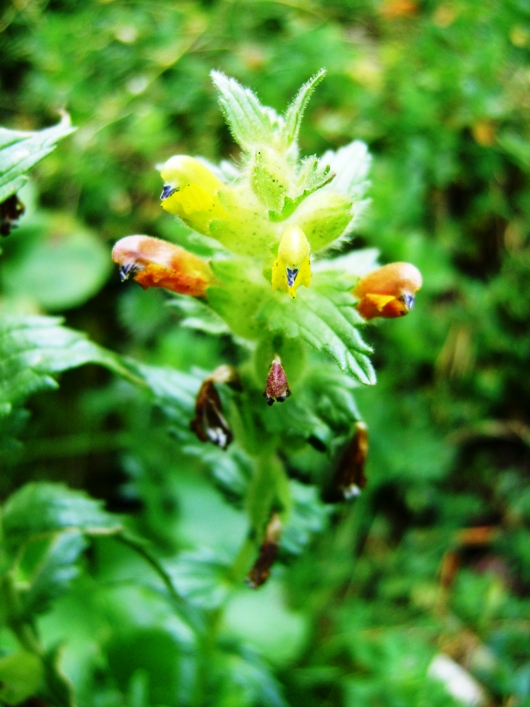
(291, 276)
(127, 271)
(408, 300)
(388, 291)
(167, 191)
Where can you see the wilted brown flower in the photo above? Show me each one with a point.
(261, 569)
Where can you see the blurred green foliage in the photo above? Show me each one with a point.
(440, 91)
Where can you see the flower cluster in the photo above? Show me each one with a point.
(273, 220)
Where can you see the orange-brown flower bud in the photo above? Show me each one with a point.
(155, 263)
(388, 291)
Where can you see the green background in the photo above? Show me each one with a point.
(440, 91)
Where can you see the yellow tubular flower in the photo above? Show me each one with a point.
(292, 266)
(190, 192)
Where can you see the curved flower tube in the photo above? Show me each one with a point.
(292, 266)
(388, 291)
(155, 263)
(190, 192)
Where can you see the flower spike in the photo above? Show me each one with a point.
(155, 263)
(388, 291)
(292, 266)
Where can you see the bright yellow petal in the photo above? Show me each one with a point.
(379, 300)
(194, 205)
(279, 275)
(181, 170)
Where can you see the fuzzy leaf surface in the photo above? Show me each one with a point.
(295, 112)
(249, 121)
(325, 318)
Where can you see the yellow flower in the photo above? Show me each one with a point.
(292, 266)
(190, 192)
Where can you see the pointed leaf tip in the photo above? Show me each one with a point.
(250, 122)
(295, 112)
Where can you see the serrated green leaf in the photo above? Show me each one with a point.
(334, 398)
(295, 112)
(32, 348)
(249, 121)
(201, 577)
(19, 151)
(326, 319)
(174, 391)
(350, 165)
(56, 572)
(322, 407)
(198, 316)
(312, 175)
(43, 508)
(297, 421)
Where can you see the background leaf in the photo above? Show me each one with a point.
(85, 264)
(55, 573)
(19, 151)
(43, 508)
(33, 348)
